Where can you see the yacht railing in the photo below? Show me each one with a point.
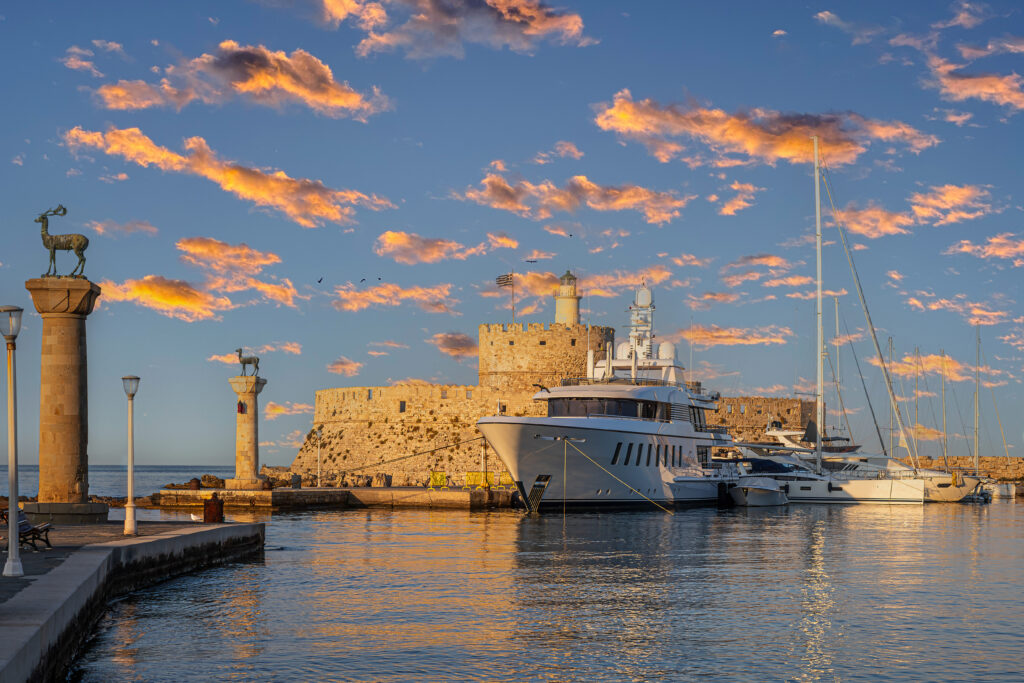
(636, 381)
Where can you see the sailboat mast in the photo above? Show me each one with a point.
(945, 448)
(917, 374)
(977, 391)
(818, 407)
(839, 371)
(890, 405)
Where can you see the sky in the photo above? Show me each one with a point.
(334, 185)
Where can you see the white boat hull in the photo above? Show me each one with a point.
(941, 489)
(1000, 489)
(576, 455)
(891, 491)
(758, 492)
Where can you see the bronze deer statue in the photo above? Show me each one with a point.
(70, 242)
(254, 361)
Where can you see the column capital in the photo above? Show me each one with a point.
(247, 384)
(63, 295)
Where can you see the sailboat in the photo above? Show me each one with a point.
(841, 479)
(991, 486)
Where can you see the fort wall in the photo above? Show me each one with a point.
(517, 356)
(748, 416)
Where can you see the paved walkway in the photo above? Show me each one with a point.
(66, 539)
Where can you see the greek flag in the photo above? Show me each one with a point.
(504, 280)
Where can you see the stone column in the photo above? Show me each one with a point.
(64, 303)
(247, 438)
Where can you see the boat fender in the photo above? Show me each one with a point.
(830, 487)
(785, 488)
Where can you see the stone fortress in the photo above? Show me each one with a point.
(366, 426)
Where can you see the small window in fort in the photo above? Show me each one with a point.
(572, 342)
(501, 408)
(401, 406)
(728, 409)
(511, 342)
(758, 411)
(444, 393)
(369, 394)
(743, 410)
(469, 393)
(542, 343)
(615, 457)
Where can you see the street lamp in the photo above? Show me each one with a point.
(131, 385)
(319, 438)
(10, 325)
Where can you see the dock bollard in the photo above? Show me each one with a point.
(213, 510)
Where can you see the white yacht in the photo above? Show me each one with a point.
(632, 432)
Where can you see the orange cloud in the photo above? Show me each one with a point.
(390, 344)
(436, 299)
(538, 201)
(744, 198)
(307, 202)
(737, 279)
(440, 29)
(691, 260)
(538, 255)
(788, 281)
(226, 358)
(706, 337)
(1005, 245)
(172, 298)
(454, 344)
(500, 240)
(862, 33)
(995, 88)
(254, 72)
(557, 230)
(950, 204)
(965, 14)
(233, 268)
(766, 260)
(294, 348)
(562, 149)
(894, 275)
(828, 293)
(704, 301)
(606, 284)
(114, 228)
(844, 339)
(75, 58)
(344, 366)
(928, 364)
(874, 221)
(922, 433)
(976, 313)
(272, 410)
(410, 248)
(760, 135)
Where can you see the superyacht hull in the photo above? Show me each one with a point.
(596, 462)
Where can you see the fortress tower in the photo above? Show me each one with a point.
(567, 303)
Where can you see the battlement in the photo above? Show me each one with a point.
(527, 328)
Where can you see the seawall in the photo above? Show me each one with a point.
(43, 626)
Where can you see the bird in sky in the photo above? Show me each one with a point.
(320, 280)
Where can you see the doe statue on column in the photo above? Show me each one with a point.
(247, 442)
(64, 303)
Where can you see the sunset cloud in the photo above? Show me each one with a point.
(539, 201)
(691, 260)
(704, 301)
(538, 255)
(928, 364)
(946, 204)
(410, 248)
(388, 343)
(454, 344)
(562, 149)
(113, 228)
(1005, 245)
(744, 198)
(706, 337)
(263, 76)
(234, 267)
(172, 298)
(975, 312)
(766, 260)
(861, 33)
(344, 366)
(965, 15)
(307, 202)
(273, 410)
(435, 29)
(1005, 90)
(873, 221)
(77, 59)
(436, 299)
(737, 279)
(789, 281)
(827, 293)
(758, 135)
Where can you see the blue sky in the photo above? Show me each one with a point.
(222, 164)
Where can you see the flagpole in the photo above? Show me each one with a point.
(513, 297)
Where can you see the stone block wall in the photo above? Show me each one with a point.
(748, 416)
(995, 467)
(517, 356)
(364, 426)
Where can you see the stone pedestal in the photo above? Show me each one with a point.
(64, 303)
(247, 441)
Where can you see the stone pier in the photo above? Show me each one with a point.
(64, 304)
(247, 456)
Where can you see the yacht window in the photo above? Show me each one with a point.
(657, 456)
(639, 454)
(629, 450)
(674, 456)
(650, 447)
(583, 407)
(615, 458)
(679, 413)
(704, 455)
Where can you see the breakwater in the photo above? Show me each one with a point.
(47, 620)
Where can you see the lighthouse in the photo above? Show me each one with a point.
(567, 302)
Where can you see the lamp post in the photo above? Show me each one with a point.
(131, 385)
(319, 438)
(10, 325)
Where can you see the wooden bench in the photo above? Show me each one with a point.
(29, 534)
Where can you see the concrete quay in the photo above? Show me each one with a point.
(390, 497)
(46, 616)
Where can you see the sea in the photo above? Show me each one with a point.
(112, 480)
(799, 593)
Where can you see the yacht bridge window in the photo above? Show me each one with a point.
(614, 407)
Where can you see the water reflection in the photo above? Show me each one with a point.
(806, 593)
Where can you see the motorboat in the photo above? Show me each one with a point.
(632, 432)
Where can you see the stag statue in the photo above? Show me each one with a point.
(70, 242)
(254, 361)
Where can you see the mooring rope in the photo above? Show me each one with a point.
(649, 500)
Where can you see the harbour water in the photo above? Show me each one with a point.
(870, 592)
(112, 480)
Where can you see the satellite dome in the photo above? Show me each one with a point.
(622, 351)
(666, 351)
(643, 297)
